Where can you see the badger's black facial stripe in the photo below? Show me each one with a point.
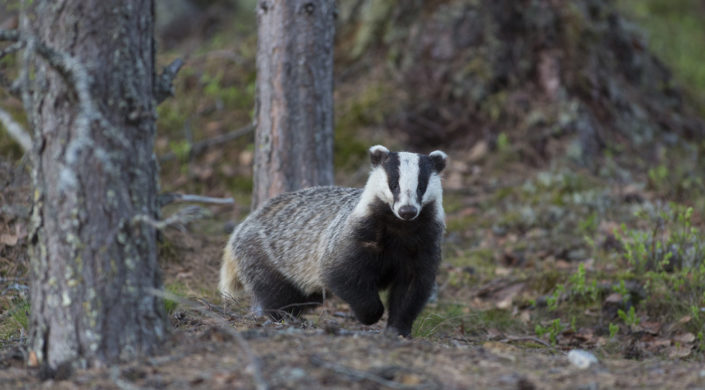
(391, 167)
(425, 169)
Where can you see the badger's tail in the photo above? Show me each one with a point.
(229, 282)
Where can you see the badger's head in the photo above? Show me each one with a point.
(406, 181)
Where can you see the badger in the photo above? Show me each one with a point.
(352, 242)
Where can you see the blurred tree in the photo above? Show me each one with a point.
(294, 137)
(548, 76)
(92, 108)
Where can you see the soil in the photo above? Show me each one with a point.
(213, 346)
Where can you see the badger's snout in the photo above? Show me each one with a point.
(408, 212)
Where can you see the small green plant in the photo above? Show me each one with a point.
(502, 142)
(553, 300)
(614, 329)
(553, 329)
(175, 289)
(588, 225)
(629, 318)
(579, 286)
(658, 176)
(622, 290)
(672, 242)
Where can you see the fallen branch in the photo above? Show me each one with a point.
(11, 49)
(15, 130)
(200, 147)
(362, 375)
(178, 219)
(170, 197)
(12, 36)
(122, 384)
(526, 338)
(9, 35)
(165, 83)
(255, 363)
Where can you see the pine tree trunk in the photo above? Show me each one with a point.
(294, 138)
(93, 264)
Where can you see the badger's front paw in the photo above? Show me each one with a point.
(393, 331)
(370, 315)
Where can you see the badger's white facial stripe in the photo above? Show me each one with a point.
(436, 153)
(408, 183)
(379, 148)
(376, 187)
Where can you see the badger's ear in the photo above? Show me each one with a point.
(378, 154)
(438, 159)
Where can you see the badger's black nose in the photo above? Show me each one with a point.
(407, 212)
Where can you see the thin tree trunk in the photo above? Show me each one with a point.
(294, 139)
(93, 263)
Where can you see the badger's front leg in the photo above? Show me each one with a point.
(356, 281)
(409, 293)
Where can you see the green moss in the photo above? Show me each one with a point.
(444, 318)
(8, 146)
(676, 32)
(457, 224)
(368, 108)
(15, 321)
(241, 184)
(177, 289)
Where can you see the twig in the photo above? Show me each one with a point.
(526, 338)
(165, 86)
(9, 35)
(15, 130)
(200, 147)
(13, 280)
(11, 49)
(255, 363)
(115, 376)
(171, 197)
(362, 375)
(182, 217)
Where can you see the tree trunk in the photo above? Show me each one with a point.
(93, 263)
(294, 138)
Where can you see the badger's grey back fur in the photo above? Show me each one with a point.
(352, 242)
(315, 219)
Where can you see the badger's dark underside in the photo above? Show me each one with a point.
(385, 252)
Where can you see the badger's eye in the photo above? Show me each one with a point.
(393, 186)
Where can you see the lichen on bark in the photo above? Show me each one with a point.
(94, 170)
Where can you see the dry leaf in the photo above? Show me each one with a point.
(410, 379)
(650, 327)
(8, 239)
(685, 319)
(478, 151)
(614, 298)
(245, 158)
(501, 350)
(657, 344)
(502, 271)
(32, 360)
(679, 352)
(684, 338)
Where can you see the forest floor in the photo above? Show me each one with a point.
(520, 287)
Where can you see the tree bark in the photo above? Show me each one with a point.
(93, 262)
(294, 137)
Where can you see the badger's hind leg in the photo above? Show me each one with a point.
(279, 298)
(273, 294)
